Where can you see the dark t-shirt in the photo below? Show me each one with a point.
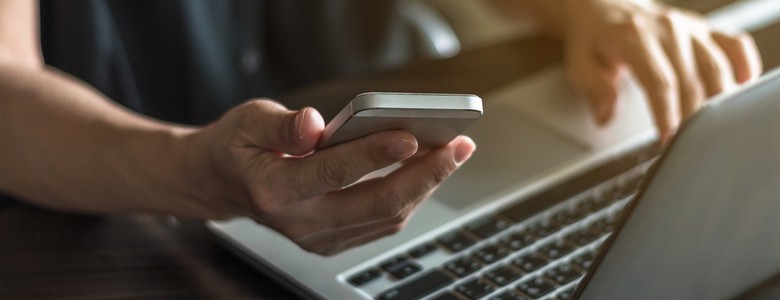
(189, 61)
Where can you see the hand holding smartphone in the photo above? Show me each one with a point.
(434, 119)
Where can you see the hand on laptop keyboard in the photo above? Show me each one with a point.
(675, 55)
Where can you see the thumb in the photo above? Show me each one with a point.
(270, 125)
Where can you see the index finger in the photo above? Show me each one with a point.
(397, 194)
(651, 66)
(334, 168)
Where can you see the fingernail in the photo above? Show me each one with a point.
(401, 148)
(464, 150)
(300, 120)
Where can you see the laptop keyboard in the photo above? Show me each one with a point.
(539, 248)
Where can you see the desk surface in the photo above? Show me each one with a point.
(48, 255)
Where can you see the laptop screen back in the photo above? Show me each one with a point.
(706, 225)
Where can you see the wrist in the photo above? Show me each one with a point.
(152, 165)
(167, 170)
(207, 189)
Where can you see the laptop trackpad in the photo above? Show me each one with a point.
(511, 150)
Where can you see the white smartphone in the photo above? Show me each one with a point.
(434, 119)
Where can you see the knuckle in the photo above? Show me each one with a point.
(389, 204)
(269, 212)
(711, 67)
(258, 113)
(716, 73)
(400, 217)
(691, 89)
(313, 248)
(253, 107)
(292, 232)
(668, 21)
(249, 112)
(439, 173)
(377, 153)
(296, 232)
(270, 205)
(287, 134)
(575, 73)
(632, 26)
(333, 173)
(663, 82)
(397, 228)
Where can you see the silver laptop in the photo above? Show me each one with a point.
(549, 199)
(526, 217)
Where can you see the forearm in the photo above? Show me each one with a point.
(549, 16)
(65, 146)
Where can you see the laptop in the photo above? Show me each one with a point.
(557, 208)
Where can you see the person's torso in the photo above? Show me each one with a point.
(188, 61)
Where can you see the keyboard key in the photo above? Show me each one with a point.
(475, 289)
(393, 263)
(492, 253)
(456, 242)
(536, 287)
(604, 225)
(583, 260)
(419, 287)
(568, 216)
(530, 207)
(566, 294)
(632, 184)
(519, 240)
(509, 295)
(563, 273)
(614, 216)
(626, 186)
(538, 203)
(578, 210)
(545, 227)
(556, 249)
(594, 203)
(404, 270)
(488, 227)
(447, 296)
(622, 190)
(588, 206)
(607, 196)
(422, 250)
(530, 262)
(463, 266)
(502, 275)
(583, 236)
(400, 267)
(364, 277)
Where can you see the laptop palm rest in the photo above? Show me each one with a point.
(535, 128)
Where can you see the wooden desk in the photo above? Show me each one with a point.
(47, 255)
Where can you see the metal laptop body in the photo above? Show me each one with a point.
(522, 151)
(707, 223)
(468, 199)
